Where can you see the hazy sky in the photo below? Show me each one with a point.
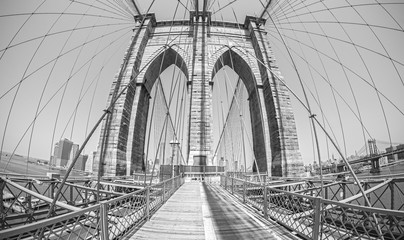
(341, 77)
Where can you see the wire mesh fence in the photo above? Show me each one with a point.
(110, 219)
(300, 209)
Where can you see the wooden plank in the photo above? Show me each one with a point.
(179, 218)
(201, 211)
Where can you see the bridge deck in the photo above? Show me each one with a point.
(203, 211)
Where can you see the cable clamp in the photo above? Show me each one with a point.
(312, 115)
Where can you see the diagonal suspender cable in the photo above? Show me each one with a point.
(331, 86)
(19, 29)
(325, 132)
(24, 75)
(351, 71)
(49, 101)
(333, 94)
(107, 113)
(313, 117)
(167, 105)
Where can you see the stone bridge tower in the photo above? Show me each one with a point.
(200, 47)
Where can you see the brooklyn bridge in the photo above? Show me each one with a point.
(201, 119)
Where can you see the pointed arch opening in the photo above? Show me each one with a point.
(233, 63)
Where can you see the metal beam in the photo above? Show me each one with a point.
(41, 197)
(265, 9)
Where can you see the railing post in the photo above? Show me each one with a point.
(232, 186)
(2, 212)
(104, 221)
(51, 189)
(29, 201)
(71, 190)
(391, 185)
(317, 218)
(225, 182)
(244, 190)
(265, 205)
(86, 200)
(164, 192)
(148, 203)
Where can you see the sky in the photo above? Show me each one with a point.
(74, 65)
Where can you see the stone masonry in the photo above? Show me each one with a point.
(199, 47)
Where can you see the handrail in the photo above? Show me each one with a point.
(350, 199)
(346, 200)
(319, 187)
(286, 184)
(42, 197)
(120, 185)
(92, 189)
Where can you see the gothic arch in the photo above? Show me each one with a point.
(141, 103)
(260, 144)
(160, 63)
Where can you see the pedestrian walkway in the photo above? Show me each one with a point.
(204, 211)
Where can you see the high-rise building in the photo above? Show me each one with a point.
(64, 153)
(61, 154)
(73, 152)
(81, 163)
(55, 154)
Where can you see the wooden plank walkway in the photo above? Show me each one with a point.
(203, 211)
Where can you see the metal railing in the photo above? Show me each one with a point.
(315, 218)
(111, 219)
(385, 193)
(24, 201)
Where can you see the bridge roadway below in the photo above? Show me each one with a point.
(205, 211)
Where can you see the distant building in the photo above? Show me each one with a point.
(55, 154)
(81, 163)
(89, 164)
(61, 153)
(73, 152)
(64, 153)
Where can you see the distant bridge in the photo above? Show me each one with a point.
(373, 160)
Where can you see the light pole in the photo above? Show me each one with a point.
(174, 145)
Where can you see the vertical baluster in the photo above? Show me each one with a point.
(164, 192)
(71, 195)
(244, 191)
(317, 218)
(232, 186)
(265, 205)
(104, 221)
(2, 210)
(391, 185)
(29, 202)
(148, 203)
